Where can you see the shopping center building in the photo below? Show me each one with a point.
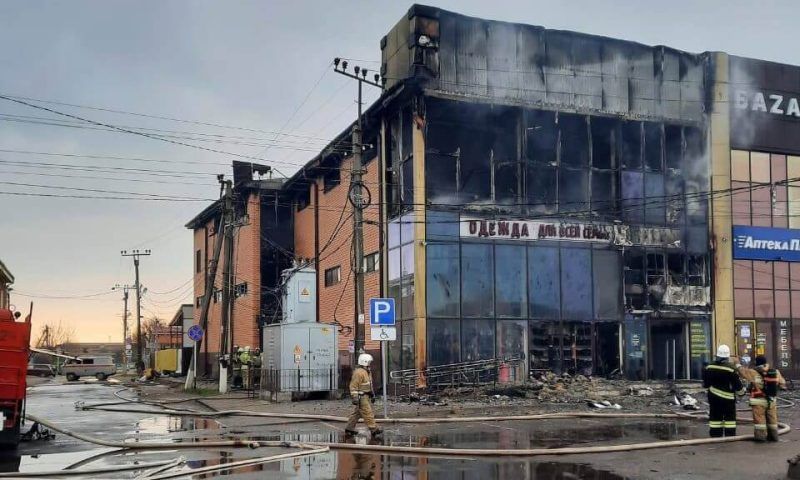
(571, 202)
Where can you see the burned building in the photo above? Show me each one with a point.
(546, 198)
(577, 203)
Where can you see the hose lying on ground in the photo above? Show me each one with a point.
(240, 464)
(334, 418)
(85, 471)
(429, 451)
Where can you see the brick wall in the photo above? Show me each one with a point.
(247, 268)
(337, 302)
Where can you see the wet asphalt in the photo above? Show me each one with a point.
(55, 401)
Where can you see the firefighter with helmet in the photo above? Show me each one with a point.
(723, 384)
(764, 385)
(362, 394)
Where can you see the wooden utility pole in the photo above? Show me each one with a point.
(139, 345)
(359, 201)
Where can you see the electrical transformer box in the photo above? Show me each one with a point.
(299, 295)
(301, 357)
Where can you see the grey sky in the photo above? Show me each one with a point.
(239, 63)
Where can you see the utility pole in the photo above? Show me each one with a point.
(136, 254)
(359, 203)
(225, 344)
(125, 289)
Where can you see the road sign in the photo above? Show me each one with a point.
(381, 311)
(383, 334)
(195, 333)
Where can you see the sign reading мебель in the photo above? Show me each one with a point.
(535, 230)
(765, 243)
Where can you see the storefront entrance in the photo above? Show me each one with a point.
(668, 350)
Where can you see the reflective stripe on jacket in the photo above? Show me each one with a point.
(360, 382)
(722, 381)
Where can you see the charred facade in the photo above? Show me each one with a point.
(563, 195)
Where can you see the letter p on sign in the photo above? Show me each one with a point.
(381, 311)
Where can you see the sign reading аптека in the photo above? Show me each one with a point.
(765, 243)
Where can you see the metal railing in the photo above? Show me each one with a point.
(479, 372)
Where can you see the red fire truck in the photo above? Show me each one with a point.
(15, 339)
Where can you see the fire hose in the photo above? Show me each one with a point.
(401, 450)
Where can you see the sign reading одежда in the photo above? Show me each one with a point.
(529, 230)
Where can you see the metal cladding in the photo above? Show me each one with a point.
(454, 56)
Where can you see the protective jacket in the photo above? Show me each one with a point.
(722, 381)
(360, 382)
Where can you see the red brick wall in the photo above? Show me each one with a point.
(337, 302)
(247, 268)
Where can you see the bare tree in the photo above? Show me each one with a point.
(150, 327)
(54, 334)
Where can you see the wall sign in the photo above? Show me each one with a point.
(765, 243)
(528, 230)
(772, 103)
(784, 344)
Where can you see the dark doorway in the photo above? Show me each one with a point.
(668, 347)
(606, 348)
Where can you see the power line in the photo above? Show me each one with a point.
(93, 190)
(132, 132)
(99, 177)
(94, 197)
(157, 117)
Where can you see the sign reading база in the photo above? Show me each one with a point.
(765, 243)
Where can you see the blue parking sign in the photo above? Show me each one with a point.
(381, 311)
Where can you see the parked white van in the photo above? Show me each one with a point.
(100, 367)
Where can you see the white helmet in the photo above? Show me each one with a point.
(723, 351)
(364, 359)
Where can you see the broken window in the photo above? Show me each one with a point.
(695, 146)
(652, 147)
(656, 277)
(673, 196)
(673, 146)
(634, 278)
(505, 160)
(675, 269)
(602, 143)
(573, 190)
(474, 175)
(407, 125)
(541, 138)
(393, 165)
(630, 145)
(477, 340)
(632, 197)
(441, 164)
(654, 201)
(606, 278)
(604, 194)
(303, 198)
(574, 137)
(696, 271)
(407, 181)
(542, 188)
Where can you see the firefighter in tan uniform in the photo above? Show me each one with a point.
(764, 385)
(361, 394)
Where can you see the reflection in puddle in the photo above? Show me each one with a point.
(163, 425)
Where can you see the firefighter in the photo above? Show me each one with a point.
(361, 394)
(244, 360)
(723, 383)
(764, 385)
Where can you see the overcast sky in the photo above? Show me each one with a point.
(261, 65)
